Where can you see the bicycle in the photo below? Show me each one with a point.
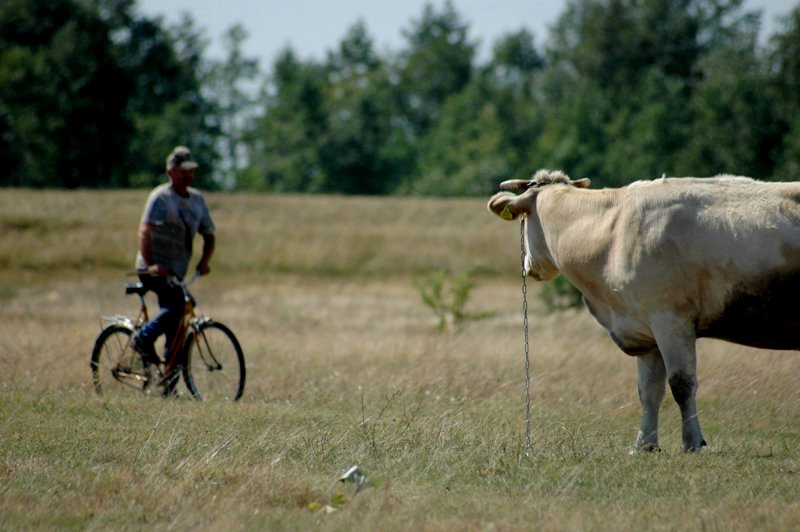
(204, 351)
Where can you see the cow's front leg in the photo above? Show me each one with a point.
(676, 341)
(684, 387)
(651, 380)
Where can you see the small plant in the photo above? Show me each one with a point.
(447, 295)
(559, 294)
(369, 424)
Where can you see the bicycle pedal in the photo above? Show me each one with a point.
(170, 384)
(152, 376)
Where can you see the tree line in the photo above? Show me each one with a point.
(94, 94)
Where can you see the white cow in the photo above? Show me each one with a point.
(662, 263)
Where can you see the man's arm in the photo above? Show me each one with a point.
(208, 250)
(146, 249)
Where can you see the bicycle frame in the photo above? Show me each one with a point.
(189, 322)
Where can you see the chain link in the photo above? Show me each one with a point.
(527, 347)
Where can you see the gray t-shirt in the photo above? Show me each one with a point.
(175, 221)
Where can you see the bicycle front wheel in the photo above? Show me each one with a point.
(214, 363)
(116, 367)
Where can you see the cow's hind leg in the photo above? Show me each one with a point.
(651, 380)
(676, 341)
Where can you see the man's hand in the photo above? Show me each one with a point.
(208, 251)
(159, 270)
(203, 268)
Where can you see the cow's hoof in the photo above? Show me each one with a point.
(645, 448)
(694, 448)
(646, 443)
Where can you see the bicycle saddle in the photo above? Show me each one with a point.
(135, 288)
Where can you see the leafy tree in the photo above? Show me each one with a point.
(573, 133)
(733, 123)
(464, 153)
(227, 86)
(784, 86)
(166, 68)
(514, 73)
(358, 101)
(60, 125)
(91, 94)
(622, 75)
(486, 130)
(436, 65)
(331, 127)
(615, 41)
(515, 61)
(647, 133)
(285, 155)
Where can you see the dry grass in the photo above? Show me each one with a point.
(345, 365)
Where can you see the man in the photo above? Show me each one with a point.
(173, 214)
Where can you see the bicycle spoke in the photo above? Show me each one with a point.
(214, 364)
(116, 367)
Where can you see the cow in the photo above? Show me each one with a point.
(662, 263)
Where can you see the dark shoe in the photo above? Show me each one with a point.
(155, 380)
(170, 383)
(147, 352)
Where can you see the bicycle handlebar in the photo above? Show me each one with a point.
(172, 279)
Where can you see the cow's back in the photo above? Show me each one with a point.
(728, 250)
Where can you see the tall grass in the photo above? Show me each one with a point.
(345, 365)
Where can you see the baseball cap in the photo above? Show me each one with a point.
(181, 157)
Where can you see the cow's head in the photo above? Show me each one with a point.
(539, 262)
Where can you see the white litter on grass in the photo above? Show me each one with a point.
(355, 476)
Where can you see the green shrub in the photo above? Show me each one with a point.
(559, 294)
(447, 295)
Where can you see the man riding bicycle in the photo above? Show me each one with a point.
(173, 214)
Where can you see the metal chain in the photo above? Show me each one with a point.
(527, 347)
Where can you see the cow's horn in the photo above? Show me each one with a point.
(515, 184)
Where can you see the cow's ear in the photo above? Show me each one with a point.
(581, 183)
(508, 206)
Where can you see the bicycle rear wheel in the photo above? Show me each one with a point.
(116, 367)
(214, 363)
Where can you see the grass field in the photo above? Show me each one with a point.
(345, 365)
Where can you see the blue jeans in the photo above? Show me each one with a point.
(170, 302)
